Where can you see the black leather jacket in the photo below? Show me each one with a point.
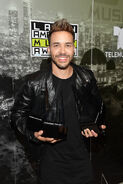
(39, 97)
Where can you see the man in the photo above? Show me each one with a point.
(62, 161)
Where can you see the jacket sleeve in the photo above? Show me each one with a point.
(100, 119)
(21, 110)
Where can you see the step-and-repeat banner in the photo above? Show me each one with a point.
(24, 28)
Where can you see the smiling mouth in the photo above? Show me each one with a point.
(62, 58)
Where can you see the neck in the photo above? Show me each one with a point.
(62, 73)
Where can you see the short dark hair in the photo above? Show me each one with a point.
(61, 25)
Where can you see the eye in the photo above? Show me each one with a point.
(68, 45)
(55, 45)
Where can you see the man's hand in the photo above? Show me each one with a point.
(45, 139)
(90, 133)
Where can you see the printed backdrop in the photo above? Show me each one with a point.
(39, 38)
(98, 25)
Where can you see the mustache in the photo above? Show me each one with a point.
(64, 55)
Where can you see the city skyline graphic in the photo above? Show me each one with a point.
(100, 48)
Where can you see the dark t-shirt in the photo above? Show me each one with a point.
(67, 161)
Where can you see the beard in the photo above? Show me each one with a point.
(60, 66)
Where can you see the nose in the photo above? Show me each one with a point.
(62, 49)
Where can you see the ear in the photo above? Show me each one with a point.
(74, 49)
(48, 49)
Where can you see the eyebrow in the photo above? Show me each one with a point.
(55, 43)
(69, 42)
(65, 43)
